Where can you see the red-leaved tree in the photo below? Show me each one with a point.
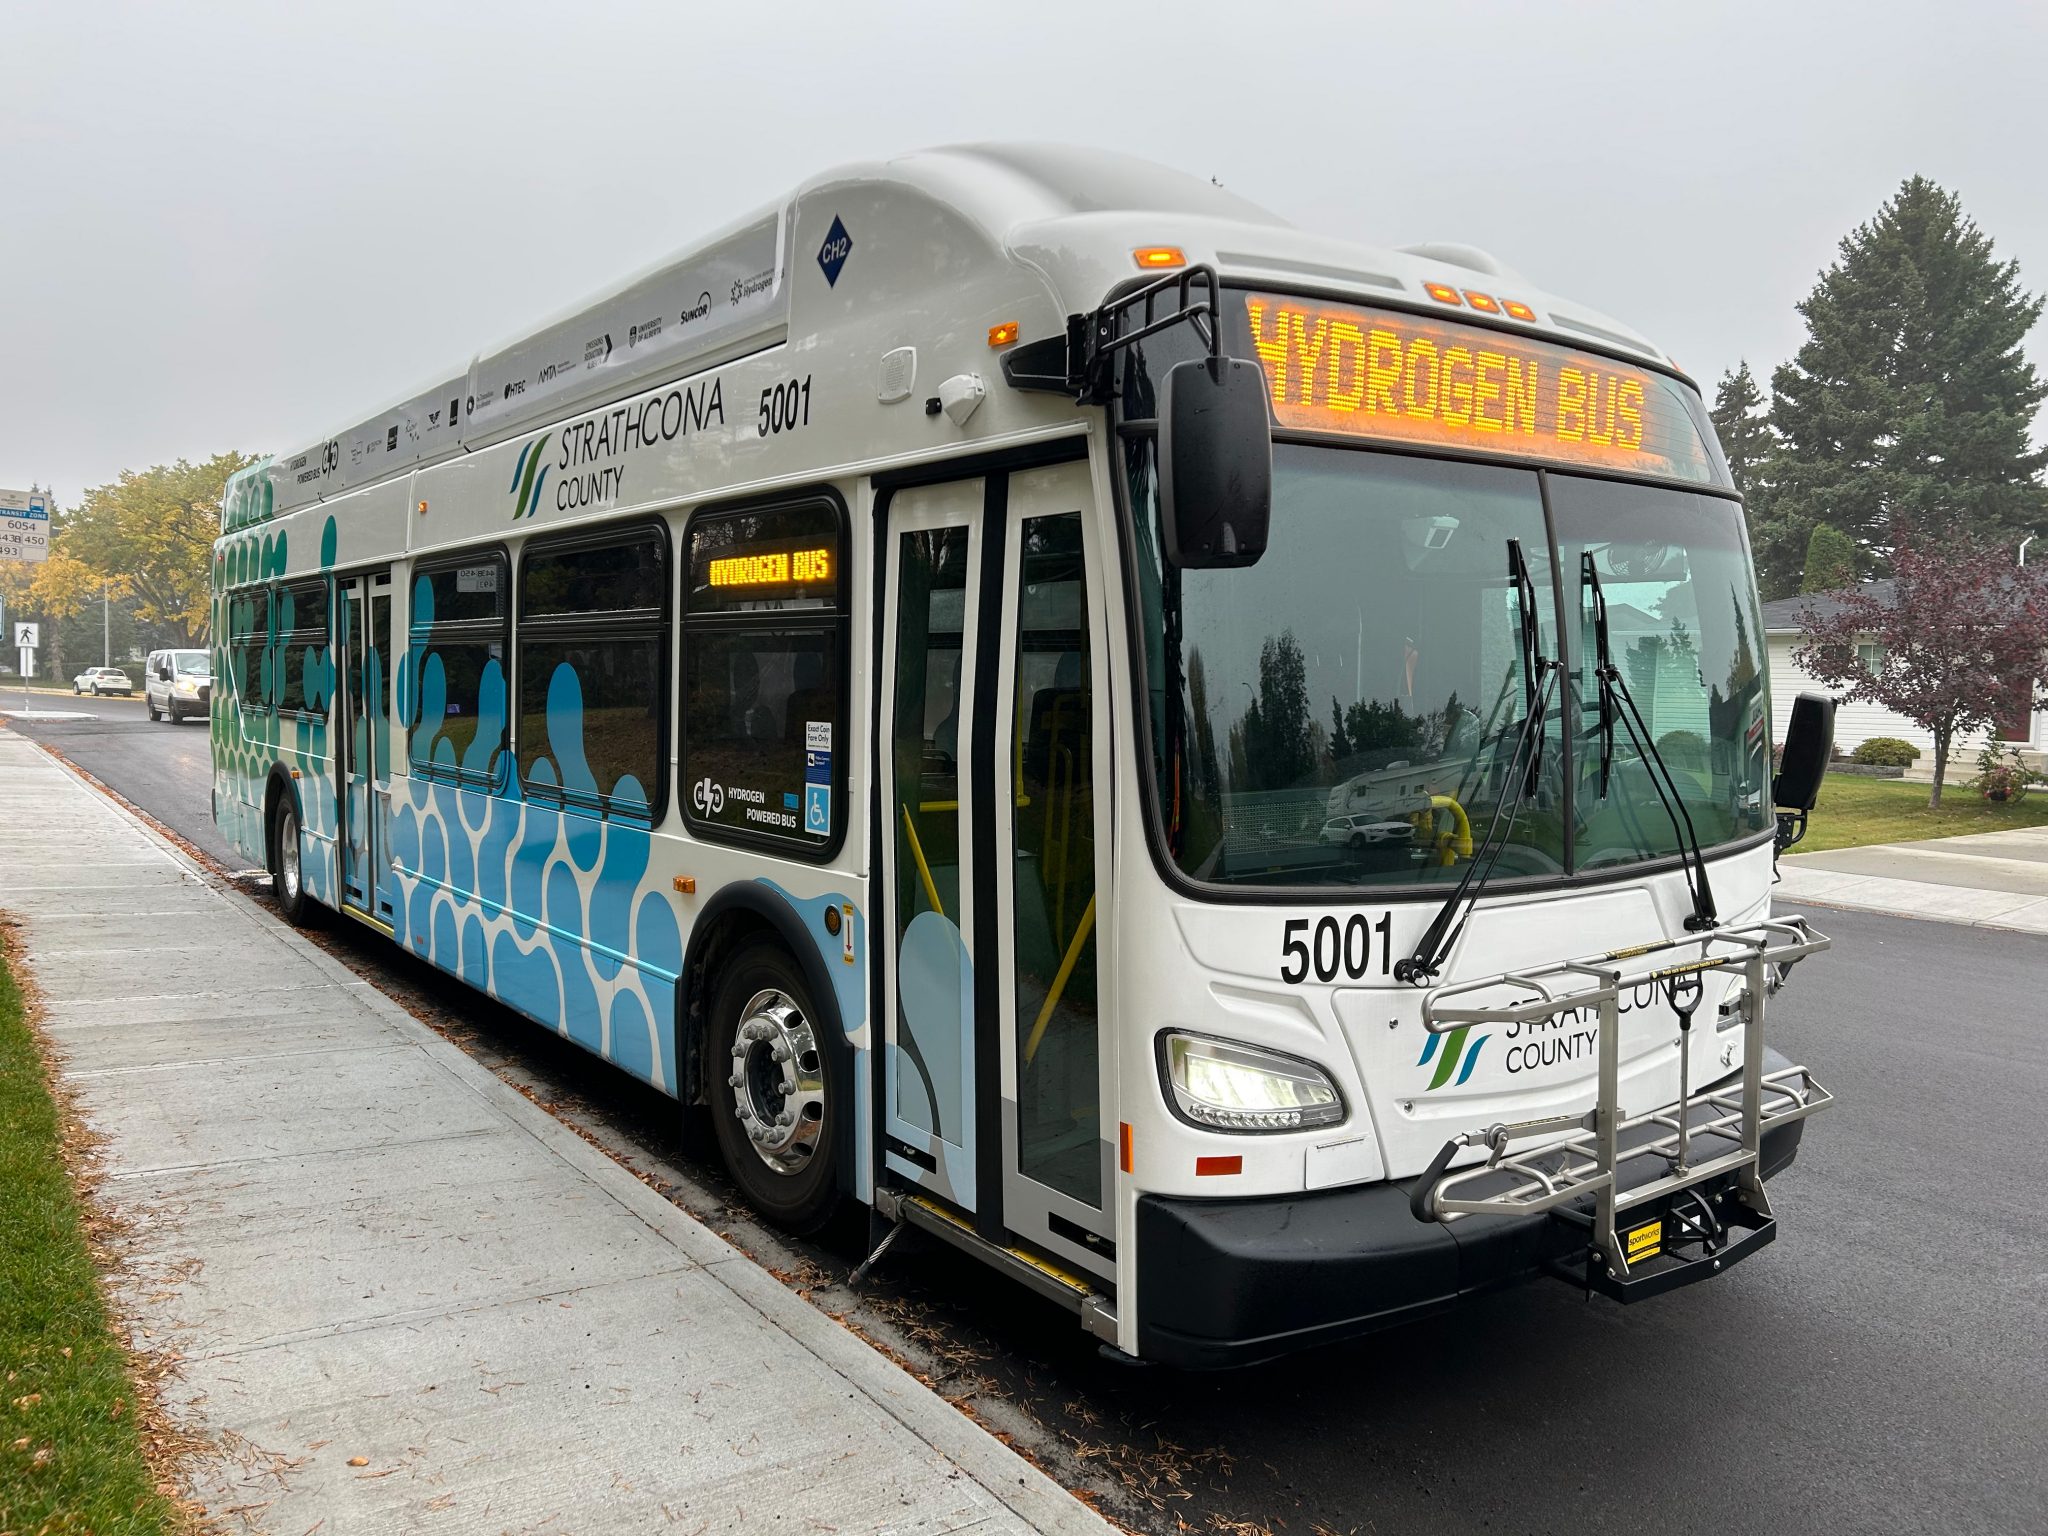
(1964, 634)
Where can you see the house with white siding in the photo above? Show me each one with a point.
(1858, 722)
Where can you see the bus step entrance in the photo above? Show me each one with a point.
(1666, 1198)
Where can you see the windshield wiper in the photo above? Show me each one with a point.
(1524, 773)
(1614, 687)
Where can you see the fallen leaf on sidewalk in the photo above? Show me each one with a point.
(359, 1461)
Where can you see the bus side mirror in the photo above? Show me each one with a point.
(1809, 742)
(1215, 463)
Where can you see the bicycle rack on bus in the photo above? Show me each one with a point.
(1582, 1155)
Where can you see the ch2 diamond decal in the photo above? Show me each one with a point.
(833, 253)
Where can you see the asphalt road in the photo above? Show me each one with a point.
(1882, 1367)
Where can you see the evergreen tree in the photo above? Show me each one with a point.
(1745, 431)
(1911, 402)
(1830, 560)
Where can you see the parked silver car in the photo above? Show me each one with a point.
(98, 680)
(177, 684)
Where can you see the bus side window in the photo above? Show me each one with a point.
(304, 674)
(764, 675)
(456, 642)
(249, 646)
(592, 664)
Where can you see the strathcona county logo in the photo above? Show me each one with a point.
(1455, 1057)
(528, 476)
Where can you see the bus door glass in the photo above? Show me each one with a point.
(364, 760)
(932, 612)
(1052, 849)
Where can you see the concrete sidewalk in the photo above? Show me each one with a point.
(367, 1246)
(1988, 879)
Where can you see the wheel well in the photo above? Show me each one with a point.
(712, 943)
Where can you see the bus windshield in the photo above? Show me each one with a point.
(1343, 713)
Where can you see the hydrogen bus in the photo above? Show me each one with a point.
(1223, 771)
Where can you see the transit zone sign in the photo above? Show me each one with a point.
(24, 526)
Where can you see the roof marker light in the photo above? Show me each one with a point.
(1159, 256)
(1517, 310)
(1002, 335)
(1483, 302)
(1443, 293)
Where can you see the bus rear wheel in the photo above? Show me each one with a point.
(775, 1085)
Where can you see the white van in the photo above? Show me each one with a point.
(177, 684)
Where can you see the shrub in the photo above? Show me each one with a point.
(2003, 775)
(1683, 749)
(1886, 752)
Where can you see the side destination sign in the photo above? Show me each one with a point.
(1403, 378)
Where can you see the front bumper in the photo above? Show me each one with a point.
(1232, 1282)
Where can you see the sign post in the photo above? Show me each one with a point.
(25, 536)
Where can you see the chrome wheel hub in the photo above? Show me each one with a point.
(288, 855)
(777, 1080)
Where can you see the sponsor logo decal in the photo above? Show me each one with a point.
(833, 253)
(696, 311)
(1455, 1057)
(528, 476)
(760, 282)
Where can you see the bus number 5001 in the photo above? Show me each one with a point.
(785, 407)
(1335, 949)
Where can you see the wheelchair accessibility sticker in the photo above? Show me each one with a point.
(818, 778)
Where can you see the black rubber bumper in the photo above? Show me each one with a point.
(1226, 1283)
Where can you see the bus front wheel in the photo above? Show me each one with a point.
(287, 872)
(775, 1085)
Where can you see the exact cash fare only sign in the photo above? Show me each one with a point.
(1407, 379)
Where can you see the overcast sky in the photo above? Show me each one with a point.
(243, 224)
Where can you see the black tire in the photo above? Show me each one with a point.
(792, 1179)
(287, 880)
(1357, 844)
(155, 714)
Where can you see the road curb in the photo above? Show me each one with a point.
(1009, 1479)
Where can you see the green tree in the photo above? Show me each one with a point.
(1744, 427)
(1830, 560)
(153, 530)
(1279, 744)
(1911, 402)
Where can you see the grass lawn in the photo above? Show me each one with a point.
(1854, 811)
(70, 1454)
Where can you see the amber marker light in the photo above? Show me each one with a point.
(1159, 256)
(1517, 310)
(423, 509)
(1002, 335)
(1483, 302)
(1443, 293)
(1210, 1167)
(1126, 1152)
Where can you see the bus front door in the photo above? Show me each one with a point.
(995, 853)
(933, 608)
(363, 761)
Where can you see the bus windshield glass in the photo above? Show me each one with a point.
(1344, 712)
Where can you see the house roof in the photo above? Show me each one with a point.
(1786, 615)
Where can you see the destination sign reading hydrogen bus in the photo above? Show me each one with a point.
(1403, 378)
(773, 568)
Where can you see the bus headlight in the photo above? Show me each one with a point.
(1229, 1087)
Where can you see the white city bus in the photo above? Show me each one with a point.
(1223, 771)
